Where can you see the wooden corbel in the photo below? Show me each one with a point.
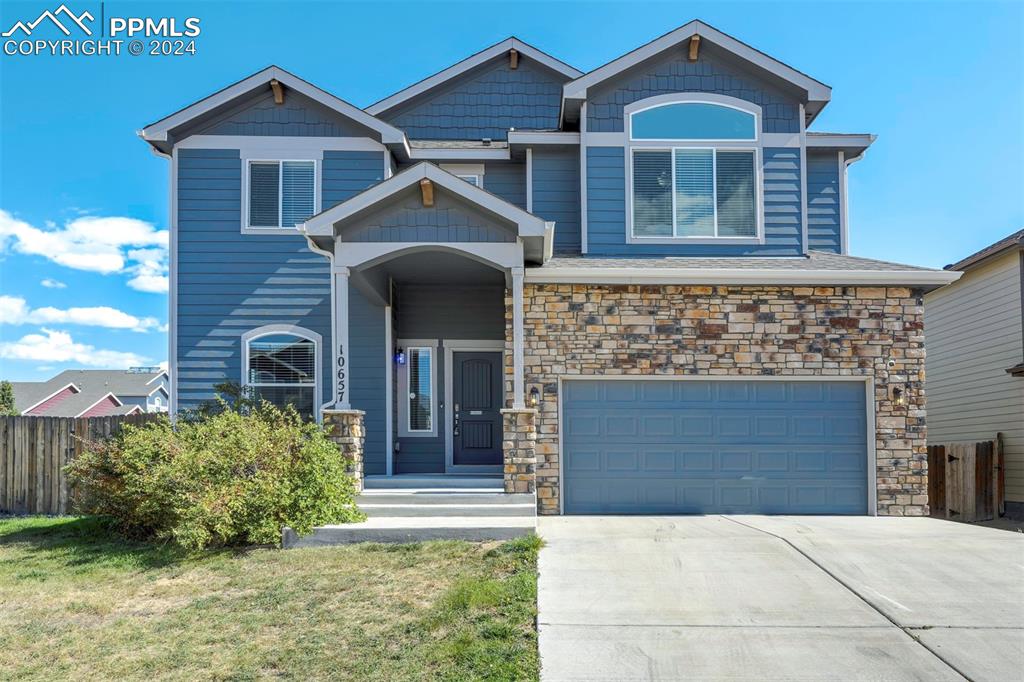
(694, 47)
(513, 59)
(278, 89)
(427, 190)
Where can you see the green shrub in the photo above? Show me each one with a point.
(223, 479)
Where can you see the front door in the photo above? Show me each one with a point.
(476, 403)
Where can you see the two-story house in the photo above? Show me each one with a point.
(630, 287)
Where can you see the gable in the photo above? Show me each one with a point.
(259, 115)
(485, 103)
(671, 72)
(448, 220)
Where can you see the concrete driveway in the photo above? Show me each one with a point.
(779, 598)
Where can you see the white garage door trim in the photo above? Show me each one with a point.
(869, 412)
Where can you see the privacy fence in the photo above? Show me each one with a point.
(34, 452)
(967, 481)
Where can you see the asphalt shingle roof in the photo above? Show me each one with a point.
(93, 384)
(815, 260)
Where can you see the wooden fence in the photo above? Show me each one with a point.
(34, 452)
(966, 481)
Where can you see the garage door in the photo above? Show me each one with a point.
(697, 447)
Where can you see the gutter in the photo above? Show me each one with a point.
(724, 276)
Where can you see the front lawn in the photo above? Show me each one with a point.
(79, 603)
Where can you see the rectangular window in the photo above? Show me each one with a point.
(281, 193)
(694, 192)
(421, 389)
(471, 179)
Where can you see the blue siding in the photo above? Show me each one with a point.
(229, 283)
(485, 102)
(508, 181)
(556, 194)
(299, 116)
(823, 212)
(710, 447)
(347, 173)
(447, 221)
(672, 73)
(369, 375)
(606, 209)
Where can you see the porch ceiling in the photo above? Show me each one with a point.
(437, 268)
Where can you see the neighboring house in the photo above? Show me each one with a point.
(94, 393)
(645, 265)
(975, 379)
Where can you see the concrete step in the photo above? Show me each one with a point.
(528, 509)
(443, 497)
(414, 530)
(434, 481)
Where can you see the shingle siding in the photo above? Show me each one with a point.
(556, 194)
(447, 221)
(485, 102)
(672, 72)
(824, 232)
(606, 209)
(299, 116)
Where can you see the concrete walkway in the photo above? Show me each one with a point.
(779, 598)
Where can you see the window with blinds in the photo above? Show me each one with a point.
(281, 193)
(694, 192)
(421, 389)
(282, 371)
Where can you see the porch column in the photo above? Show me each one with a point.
(518, 402)
(341, 372)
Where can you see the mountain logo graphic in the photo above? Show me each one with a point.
(52, 16)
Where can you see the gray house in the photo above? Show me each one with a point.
(628, 289)
(975, 365)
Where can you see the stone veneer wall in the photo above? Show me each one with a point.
(755, 330)
(345, 428)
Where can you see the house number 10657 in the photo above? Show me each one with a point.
(341, 373)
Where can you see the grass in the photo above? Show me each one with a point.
(77, 602)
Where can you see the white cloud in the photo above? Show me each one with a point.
(97, 244)
(15, 310)
(58, 346)
(53, 284)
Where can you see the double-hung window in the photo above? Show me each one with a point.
(281, 193)
(694, 170)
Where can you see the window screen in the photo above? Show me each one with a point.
(282, 371)
(281, 193)
(421, 389)
(652, 193)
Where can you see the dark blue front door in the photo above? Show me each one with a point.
(476, 405)
(707, 447)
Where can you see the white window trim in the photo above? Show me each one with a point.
(755, 145)
(478, 180)
(317, 182)
(302, 332)
(464, 170)
(757, 237)
(404, 415)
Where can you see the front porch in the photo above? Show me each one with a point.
(426, 356)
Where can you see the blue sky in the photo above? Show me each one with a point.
(941, 84)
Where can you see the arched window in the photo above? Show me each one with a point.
(282, 366)
(694, 169)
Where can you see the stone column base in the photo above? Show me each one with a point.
(345, 428)
(520, 447)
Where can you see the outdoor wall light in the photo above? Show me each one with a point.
(897, 396)
(399, 357)
(534, 397)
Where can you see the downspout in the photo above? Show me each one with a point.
(844, 207)
(330, 258)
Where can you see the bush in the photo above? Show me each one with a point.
(224, 479)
